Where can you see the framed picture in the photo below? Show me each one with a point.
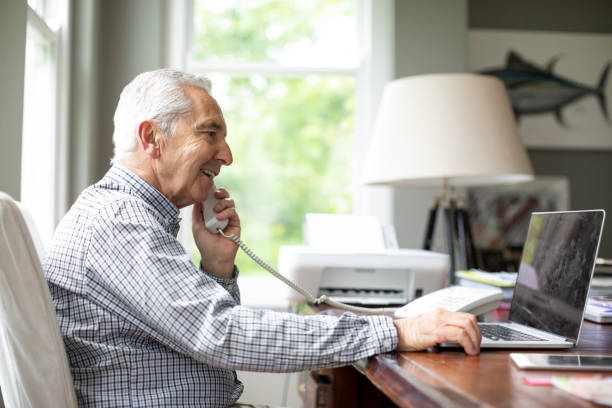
(499, 216)
(558, 83)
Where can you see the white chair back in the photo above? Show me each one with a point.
(34, 370)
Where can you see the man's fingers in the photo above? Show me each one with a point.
(439, 326)
(221, 193)
(230, 214)
(474, 322)
(469, 323)
(465, 321)
(224, 203)
(459, 335)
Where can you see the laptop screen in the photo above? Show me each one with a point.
(555, 271)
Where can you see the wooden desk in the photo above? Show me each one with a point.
(452, 378)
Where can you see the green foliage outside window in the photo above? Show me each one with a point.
(291, 136)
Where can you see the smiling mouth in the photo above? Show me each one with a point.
(211, 174)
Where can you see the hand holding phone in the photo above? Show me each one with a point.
(209, 214)
(218, 254)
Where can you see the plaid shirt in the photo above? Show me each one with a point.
(144, 327)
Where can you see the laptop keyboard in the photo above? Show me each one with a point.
(494, 332)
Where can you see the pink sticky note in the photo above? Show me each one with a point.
(538, 380)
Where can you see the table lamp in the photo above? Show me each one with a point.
(446, 130)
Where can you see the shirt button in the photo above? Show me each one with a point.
(387, 343)
(230, 286)
(336, 358)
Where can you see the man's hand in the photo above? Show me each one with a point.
(438, 326)
(218, 253)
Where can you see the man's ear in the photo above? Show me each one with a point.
(147, 138)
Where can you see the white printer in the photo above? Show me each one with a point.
(353, 259)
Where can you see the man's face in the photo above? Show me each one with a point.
(193, 156)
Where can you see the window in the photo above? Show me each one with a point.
(42, 120)
(284, 73)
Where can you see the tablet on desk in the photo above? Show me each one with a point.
(581, 362)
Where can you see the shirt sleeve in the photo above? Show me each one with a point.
(146, 277)
(231, 284)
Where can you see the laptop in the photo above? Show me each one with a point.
(553, 282)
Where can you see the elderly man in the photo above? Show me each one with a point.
(145, 327)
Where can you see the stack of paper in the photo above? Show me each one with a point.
(599, 309)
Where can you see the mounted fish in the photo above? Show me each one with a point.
(535, 90)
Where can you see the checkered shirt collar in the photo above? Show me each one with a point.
(124, 179)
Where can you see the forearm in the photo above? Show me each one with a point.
(259, 340)
(223, 270)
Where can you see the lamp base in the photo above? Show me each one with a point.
(459, 238)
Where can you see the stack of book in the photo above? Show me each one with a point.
(599, 304)
(503, 280)
(601, 284)
(599, 309)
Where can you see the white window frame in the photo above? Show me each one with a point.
(377, 17)
(376, 68)
(60, 40)
(61, 200)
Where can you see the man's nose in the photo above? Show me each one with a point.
(225, 155)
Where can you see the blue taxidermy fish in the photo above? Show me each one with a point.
(535, 90)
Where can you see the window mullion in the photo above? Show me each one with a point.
(42, 27)
(243, 69)
(62, 66)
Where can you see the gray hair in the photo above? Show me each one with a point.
(154, 95)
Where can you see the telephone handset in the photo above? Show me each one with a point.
(210, 216)
(473, 300)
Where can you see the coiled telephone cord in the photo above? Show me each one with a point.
(302, 291)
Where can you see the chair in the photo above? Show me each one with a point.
(34, 370)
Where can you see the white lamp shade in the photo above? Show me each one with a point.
(454, 127)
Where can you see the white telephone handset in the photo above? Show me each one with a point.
(473, 300)
(210, 216)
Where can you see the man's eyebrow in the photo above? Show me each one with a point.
(208, 125)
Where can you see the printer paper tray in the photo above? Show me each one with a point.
(368, 301)
(366, 297)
